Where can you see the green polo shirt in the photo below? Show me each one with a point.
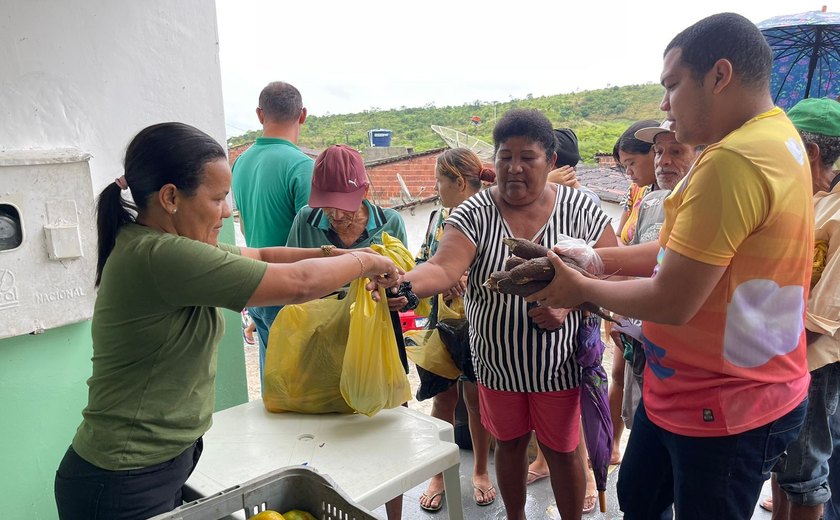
(271, 183)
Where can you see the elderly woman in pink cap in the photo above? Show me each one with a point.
(340, 217)
(338, 214)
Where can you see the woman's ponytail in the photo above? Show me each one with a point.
(112, 212)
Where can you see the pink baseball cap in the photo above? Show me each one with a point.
(339, 179)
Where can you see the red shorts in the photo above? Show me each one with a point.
(555, 416)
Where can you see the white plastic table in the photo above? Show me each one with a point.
(372, 459)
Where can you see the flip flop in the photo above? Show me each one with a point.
(431, 499)
(484, 501)
(589, 502)
(533, 476)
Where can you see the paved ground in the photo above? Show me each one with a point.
(540, 500)
(539, 504)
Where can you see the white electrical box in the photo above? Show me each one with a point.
(47, 240)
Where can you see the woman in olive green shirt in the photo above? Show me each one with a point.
(162, 276)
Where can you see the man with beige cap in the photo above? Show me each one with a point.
(671, 161)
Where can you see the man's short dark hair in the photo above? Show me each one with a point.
(530, 123)
(829, 146)
(726, 36)
(280, 102)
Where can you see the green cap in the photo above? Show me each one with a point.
(816, 115)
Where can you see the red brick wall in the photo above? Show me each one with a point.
(236, 151)
(605, 160)
(417, 172)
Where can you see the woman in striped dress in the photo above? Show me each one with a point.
(523, 356)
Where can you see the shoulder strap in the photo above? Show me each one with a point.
(431, 221)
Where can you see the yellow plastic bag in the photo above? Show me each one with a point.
(372, 377)
(305, 356)
(428, 350)
(394, 249)
(308, 345)
(429, 353)
(453, 311)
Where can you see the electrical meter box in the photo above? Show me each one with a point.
(47, 240)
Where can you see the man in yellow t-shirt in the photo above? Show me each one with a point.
(726, 378)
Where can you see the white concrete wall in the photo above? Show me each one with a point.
(614, 211)
(416, 223)
(417, 219)
(90, 75)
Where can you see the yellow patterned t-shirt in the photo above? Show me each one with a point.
(739, 363)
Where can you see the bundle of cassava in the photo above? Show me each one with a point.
(529, 270)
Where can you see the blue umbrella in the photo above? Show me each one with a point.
(806, 56)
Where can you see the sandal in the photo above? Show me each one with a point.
(483, 500)
(533, 476)
(589, 502)
(431, 499)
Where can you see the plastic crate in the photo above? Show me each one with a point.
(410, 321)
(296, 487)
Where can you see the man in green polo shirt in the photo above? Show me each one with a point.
(271, 182)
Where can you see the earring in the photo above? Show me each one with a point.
(174, 210)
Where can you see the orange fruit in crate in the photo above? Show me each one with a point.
(268, 514)
(297, 514)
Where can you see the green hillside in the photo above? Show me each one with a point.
(597, 116)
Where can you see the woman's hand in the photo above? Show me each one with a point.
(380, 269)
(548, 318)
(456, 290)
(564, 175)
(395, 303)
(564, 291)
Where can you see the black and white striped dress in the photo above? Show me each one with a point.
(509, 353)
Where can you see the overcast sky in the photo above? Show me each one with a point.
(348, 57)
